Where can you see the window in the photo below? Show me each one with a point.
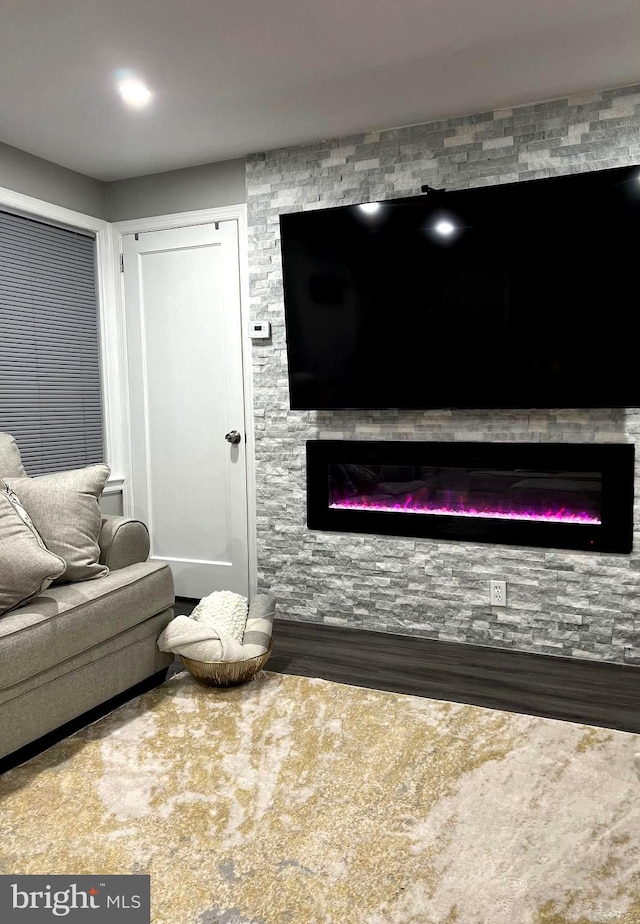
(50, 382)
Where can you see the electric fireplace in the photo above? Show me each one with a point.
(553, 495)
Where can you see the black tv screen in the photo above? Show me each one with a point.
(522, 295)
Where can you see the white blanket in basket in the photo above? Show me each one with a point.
(199, 641)
(203, 640)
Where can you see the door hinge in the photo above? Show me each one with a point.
(122, 263)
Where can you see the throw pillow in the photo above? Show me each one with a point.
(26, 566)
(65, 511)
(10, 461)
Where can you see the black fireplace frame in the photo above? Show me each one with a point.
(615, 461)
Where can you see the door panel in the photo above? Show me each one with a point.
(185, 369)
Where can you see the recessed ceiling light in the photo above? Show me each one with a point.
(370, 207)
(445, 228)
(134, 93)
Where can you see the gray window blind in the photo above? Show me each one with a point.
(50, 383)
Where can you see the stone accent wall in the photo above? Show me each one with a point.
(576, 604)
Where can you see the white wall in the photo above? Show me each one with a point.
(33, 176)
(205, 187)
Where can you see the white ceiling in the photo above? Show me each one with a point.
(232, 77)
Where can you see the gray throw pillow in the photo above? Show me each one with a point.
(65, 510)
(26, 566)
(10, 461)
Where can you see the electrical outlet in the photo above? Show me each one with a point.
(498, 593)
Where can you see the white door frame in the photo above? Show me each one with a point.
(181, 220)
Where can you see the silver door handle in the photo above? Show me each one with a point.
(233, 437)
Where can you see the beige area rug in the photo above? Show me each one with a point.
(298, 801)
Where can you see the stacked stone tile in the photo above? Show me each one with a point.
(576, 604)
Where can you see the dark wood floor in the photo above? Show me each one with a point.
(560, 688)
(588, 692)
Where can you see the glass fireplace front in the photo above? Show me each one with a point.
(555, 495)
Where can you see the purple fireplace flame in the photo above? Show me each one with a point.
(459, 509)
(481, 493)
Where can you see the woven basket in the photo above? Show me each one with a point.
(226, 673)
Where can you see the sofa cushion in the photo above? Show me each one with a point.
(26, 566)
(65, 510)
(10, 461)
(71, 618)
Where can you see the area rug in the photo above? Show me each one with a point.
(292, 800)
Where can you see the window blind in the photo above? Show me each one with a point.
(50, 382)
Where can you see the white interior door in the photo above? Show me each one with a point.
(182, 298)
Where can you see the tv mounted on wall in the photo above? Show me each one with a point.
(522, 295)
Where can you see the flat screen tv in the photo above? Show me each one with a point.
(522, 295)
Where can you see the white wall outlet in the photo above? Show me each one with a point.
(498, 593)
